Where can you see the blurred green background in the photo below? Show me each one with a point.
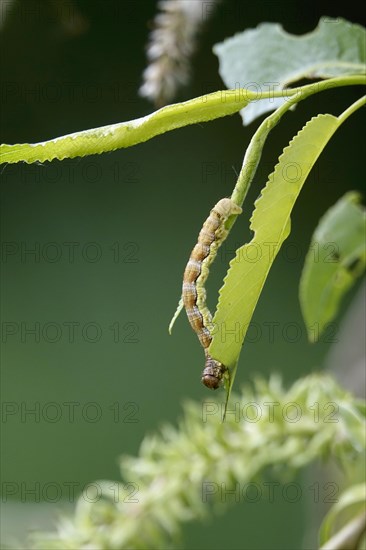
(110, 237)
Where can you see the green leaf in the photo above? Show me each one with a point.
(126, 134)
(271, 225)
(337, 256)
(354, 497)
(268, 58)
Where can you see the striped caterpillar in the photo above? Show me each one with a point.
(211, 236)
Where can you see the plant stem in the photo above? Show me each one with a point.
(254, 150)
(352, 109)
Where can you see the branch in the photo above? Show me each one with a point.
(349, 537)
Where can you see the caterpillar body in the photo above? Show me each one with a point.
(211, 236)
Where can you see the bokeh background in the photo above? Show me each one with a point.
(110, 237)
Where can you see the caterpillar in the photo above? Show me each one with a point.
(211, 236)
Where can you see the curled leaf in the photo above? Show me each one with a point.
(336, 258)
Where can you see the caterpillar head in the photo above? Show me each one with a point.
(226, 207)
(212, 373)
